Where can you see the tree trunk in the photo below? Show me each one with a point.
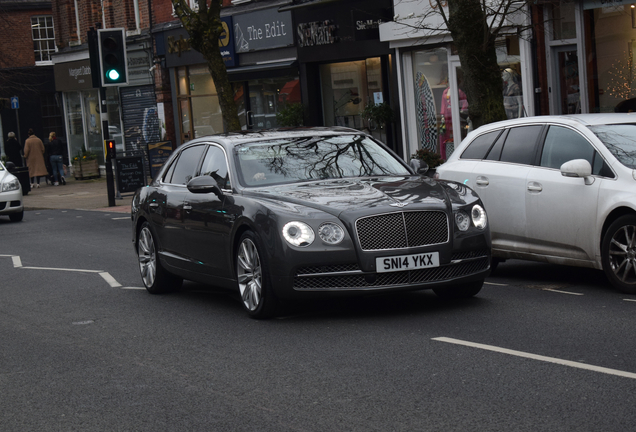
(476, 48)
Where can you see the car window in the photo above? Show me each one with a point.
(479, 147)
(215, 166)
(495, 152)
(620, 139)
(562, 145)
(168, 175)
(186, 165)
(520, 146)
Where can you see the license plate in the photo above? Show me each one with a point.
(407, 262)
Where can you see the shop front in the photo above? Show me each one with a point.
(434, 106)
(260, 57)
(339, 47)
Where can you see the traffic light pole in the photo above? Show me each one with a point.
(110, 185)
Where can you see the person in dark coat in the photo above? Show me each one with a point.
(58, 157)
(13, 150)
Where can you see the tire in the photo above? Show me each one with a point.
(252, 276)
(16, 217)
(459, 291)
(618, 254)
(156, 279)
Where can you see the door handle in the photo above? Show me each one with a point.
(482, 181)
(535, 187)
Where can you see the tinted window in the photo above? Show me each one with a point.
(562, 145)
(620, 139)
(520, 146)
(187, 164)
(495, 151)
(479, 147)
(168, 176)
(215, 165)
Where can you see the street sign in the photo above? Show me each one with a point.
(15, 104)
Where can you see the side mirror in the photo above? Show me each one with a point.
(578, 168)
(204, 184)
(419, 166)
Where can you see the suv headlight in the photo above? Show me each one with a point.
(11, 185)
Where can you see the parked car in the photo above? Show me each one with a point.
(306, 212)
(10, 195)
(558, 189)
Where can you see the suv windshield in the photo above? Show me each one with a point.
(620, 139)
(288, 160)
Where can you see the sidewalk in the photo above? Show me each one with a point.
(77, 194)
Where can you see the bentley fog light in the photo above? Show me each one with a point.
(479, 217)
(462, 220)
(298, 234)
(331, 233)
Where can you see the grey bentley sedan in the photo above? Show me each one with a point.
(307, 212)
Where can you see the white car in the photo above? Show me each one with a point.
(10, 195)
(557, 189)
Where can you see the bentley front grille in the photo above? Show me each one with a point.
(402, 230)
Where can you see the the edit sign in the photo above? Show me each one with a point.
(262, 30)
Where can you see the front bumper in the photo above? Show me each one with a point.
(11, 202)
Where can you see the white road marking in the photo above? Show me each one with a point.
(122, 218)
(111, 280)
(634, 300)
(63, 269)
(17, 262)
(562, 292)
(498, 284)
(539, 357)
(134, 288)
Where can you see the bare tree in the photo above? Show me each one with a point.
(204, 26)
(475, 26)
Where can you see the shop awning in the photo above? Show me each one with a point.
(261, 67)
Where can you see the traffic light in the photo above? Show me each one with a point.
(111, 150)
(113, 65)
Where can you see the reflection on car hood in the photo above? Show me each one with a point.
(383, 193)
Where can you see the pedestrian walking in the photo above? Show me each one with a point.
(34, 154)
(58, 156)
(13, 150)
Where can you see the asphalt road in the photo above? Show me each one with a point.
(88, 350)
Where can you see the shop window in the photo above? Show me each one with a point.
(347, 88)
(199, 106)
(561, 20)
(268, 96)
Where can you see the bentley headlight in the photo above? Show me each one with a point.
(298, 234)
(331, 233)
(462, 220)
(480, 220)
(11, 185)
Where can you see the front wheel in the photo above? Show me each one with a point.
(459, 291)
(618, 253)
(16, 217)
(157, 280)
(252, 275)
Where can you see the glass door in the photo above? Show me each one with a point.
(566, 94)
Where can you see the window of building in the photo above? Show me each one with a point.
(199, 106)
(52, 120)
(43, 38)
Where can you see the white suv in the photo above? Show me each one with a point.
(557, 189)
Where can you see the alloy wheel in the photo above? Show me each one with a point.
(249, 273)
(147, 257)
(622, 254)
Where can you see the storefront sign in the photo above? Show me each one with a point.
(317, 33)
(264, 29)
(179, 52)
(72, 76)
(597, 4)
(139, 65)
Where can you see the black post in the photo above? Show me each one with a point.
(110, 185)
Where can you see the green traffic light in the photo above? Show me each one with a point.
(113, 75)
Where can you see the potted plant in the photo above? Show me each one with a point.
(432, 159)
(85, 165)
(377, 115)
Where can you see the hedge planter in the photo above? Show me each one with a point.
(85, 169)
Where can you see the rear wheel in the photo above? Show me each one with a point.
(618, 252)
(459, 291)
(156, 279)
(16, 217)
(253, 278)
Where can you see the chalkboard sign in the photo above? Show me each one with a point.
(130, 173)
(158, 153)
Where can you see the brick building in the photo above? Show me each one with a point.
(27, 32)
